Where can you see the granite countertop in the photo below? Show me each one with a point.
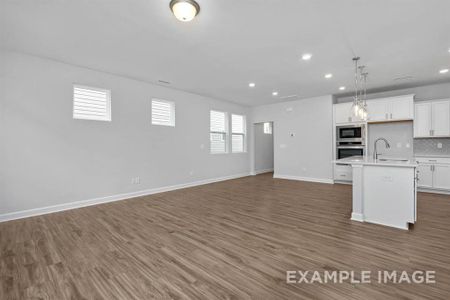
(382, 161)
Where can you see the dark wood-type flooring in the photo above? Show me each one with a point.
(229, 240)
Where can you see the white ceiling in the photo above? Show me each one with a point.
(234, 42)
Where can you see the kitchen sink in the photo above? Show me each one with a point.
(394, 159)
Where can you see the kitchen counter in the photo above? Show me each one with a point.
(382, 161)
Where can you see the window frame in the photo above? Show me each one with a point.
(172, 112)
(107, 118)
(224, 133)
(243, 133)
(270, 127)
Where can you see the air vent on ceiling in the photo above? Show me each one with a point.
(403, 78)
(163, 82)
(289, 97)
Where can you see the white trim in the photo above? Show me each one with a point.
(310, 179)
(433, 191)
(357, 217)
(83, 203)
(256, 172)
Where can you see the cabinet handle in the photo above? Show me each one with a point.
(349, 119)
(391, 115)
(431, 132)
(387, 117)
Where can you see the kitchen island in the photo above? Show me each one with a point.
(384, 190)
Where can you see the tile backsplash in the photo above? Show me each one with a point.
(430, 146)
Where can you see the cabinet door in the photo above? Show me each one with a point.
(342, 113)
(441, 177)
(422, 120)
(425, 175)
(402, 109)
(440, 112)
(378, 110)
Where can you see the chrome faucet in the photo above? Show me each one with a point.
(375, 153)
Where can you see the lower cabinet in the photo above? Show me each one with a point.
(434, 173)
(343, 173)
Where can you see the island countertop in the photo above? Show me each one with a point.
(381, 161)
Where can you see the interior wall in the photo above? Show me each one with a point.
(48, 158)
(263, 149)
(303, 139)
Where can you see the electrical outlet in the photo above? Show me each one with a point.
(399, 145)
(439, 145)
(191, 173)
(407, 145)
(136, 180)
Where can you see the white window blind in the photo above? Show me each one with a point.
(237, 133)
(91, 103)
(163, 112)
(268, 128)
(218, 132)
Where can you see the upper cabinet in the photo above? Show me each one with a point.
(380, 110)
(391, 109)
(432, 119)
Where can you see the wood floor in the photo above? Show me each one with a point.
(227, 240)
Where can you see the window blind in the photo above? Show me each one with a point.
(268, 128)
(237, 133)
(163, 112)
(91, 103)
(218, 132)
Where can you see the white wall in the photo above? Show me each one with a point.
(308, 154)
(47, 158)
(263, 149)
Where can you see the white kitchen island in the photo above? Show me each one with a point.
(384, 190)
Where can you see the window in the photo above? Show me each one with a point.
(237, 133)
(91, 103)
(218, 132)
(163, 112)
(268, 128)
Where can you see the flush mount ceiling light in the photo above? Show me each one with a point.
(251, 84)
(184, 10)
(306, 56)
(443, 71)
(342, 88)
(274, 93)
(328, 76)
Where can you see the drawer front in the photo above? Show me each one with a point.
(432, 160)
(342, 172)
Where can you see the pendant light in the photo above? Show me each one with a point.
(359, 105)
(184, 10)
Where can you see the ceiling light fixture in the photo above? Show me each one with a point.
(184, 10)
(274, 93)
(251, 84)
(306, 56)
(443, 71)
(342, 88)
(328, 76)
(359, 106)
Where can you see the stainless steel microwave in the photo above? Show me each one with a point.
(351, 133)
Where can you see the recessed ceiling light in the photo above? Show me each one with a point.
(251, 84)
(342, 88)
(306, 56)
(443, 71)
(184, 10)
(328, 76)
(274, 93)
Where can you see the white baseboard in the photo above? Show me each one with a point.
(310, 179)
(357, 217)
(77, 204)
(256, 172)
(433, 191)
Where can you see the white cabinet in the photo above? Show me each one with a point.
(425, 176)
(432, 119)
(343, 172)
(441, 177)
(422, 119)
(378, 110)
(343, 113)
(440, 118)
(391, 109)
(434, 173)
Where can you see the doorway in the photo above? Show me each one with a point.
(264, 155)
